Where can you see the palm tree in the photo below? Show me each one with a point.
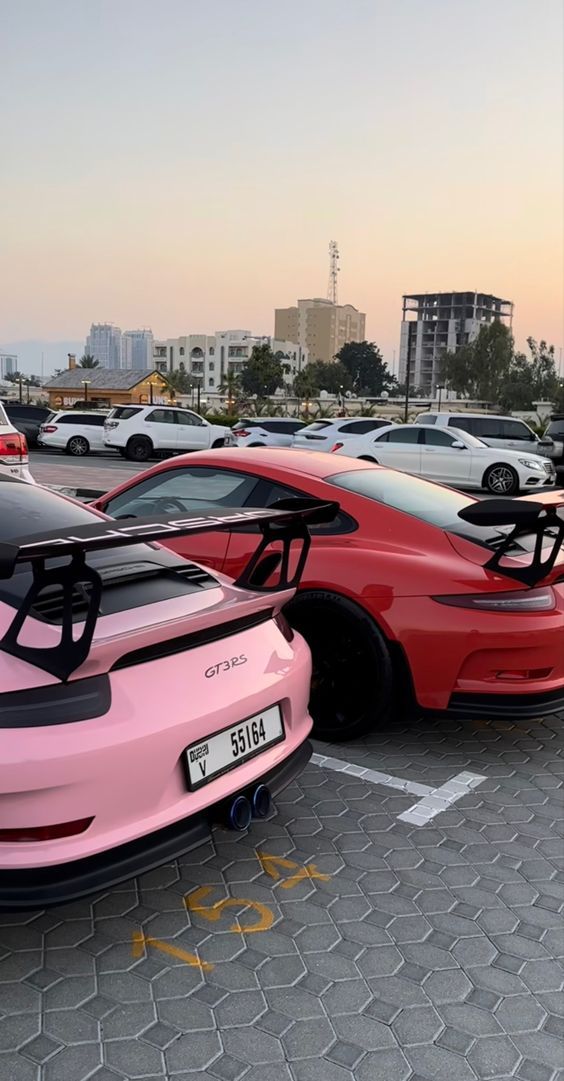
(88, 361)
(231, 386)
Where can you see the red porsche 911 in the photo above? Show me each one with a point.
(414, 594)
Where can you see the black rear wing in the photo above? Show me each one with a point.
(284, 526)
(542, 520)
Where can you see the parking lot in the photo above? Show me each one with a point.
(398, 917)
(333, 941)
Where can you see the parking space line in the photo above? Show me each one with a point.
(433, 801)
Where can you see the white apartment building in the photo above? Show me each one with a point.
(209, 359)
(137, 349)
(104, 344)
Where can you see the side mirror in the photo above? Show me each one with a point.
(458, 445)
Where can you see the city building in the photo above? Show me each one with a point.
(104, 344)
(433, 323)
(137, 349)
(320, 326)
(8, 364)
(103, 388)
(209, 359)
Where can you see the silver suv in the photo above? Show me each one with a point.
(508, 433)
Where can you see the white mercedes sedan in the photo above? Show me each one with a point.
(450, 456)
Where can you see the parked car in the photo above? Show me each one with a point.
(450, 456)
(14, 459)
(99, 782)
(27, 419)
(398, 600)
(322, 434)
(553, 440)
(266, 431)
(73, 431)
(140, 432)
(507, 433)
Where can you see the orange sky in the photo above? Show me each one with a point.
(185, 169)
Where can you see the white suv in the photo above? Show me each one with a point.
(266, 431)
(323, 434)
(14, 459)
(73, 431)
(508, 433)
(142, 431)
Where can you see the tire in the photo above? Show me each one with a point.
(352, 682)
(139, 448)
(501, 479)
(78, 446)
(257, 444)
(367, 458)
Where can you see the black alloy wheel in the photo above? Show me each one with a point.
(352, 681)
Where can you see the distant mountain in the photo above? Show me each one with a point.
(54, 354)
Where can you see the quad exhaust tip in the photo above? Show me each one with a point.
(242, 809)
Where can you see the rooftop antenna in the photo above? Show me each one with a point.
(333, 272)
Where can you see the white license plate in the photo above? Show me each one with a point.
(218, 754)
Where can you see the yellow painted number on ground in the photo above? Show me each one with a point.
(213, 912)
(270, 865)
(141, 941)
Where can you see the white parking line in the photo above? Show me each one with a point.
(433, 801)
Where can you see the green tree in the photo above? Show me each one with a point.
(263, 373)
(88, 361)
(231, 386)
(530, 378)
(367, 370)
(482, 367)
(180, 381)
(306, 383)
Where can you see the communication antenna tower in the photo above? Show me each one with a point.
(332, 291)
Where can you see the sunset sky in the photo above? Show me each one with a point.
(184, 164)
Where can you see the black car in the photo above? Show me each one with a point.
(27, 419)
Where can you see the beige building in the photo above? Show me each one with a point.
(320, 326)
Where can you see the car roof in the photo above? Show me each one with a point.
(306, 462)
(467, 413)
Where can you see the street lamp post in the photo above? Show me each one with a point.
(407, 380)
(440, 390)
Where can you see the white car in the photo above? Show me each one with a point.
(509, 433)
(14, 459)
(450, 456)
(140, 432)
(323, 434)
(266, 431)
(73, 431)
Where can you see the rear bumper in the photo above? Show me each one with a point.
(466, 707)
(39, 887)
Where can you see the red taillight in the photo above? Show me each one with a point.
(284, 626)
(521, 600)
(13, 445)
(49, 428)
(240, 434)
(45, 833)
(336, 446)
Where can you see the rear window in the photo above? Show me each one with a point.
(124, 412)
(556, 427)
(241, 425)
(361, 427)
(318, 426)
(412, 495)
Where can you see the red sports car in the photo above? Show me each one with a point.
(414, 592)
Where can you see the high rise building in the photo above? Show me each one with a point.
(319, 326)
(434, 323)
(104, 344)
(137, 349)
(8, 364)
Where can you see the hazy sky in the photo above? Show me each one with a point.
(184, 164)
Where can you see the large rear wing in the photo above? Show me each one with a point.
(544, 520)
(281, 527)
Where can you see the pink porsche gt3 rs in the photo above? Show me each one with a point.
(141, 696)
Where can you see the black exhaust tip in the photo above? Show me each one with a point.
(261, 801)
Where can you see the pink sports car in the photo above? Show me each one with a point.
(141, 696)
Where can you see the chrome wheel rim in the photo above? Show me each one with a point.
(77, 447)
(501, 479)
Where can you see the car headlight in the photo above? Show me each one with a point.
(530, 464)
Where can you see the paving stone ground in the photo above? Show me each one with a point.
(388, 952)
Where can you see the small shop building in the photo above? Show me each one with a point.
(102, 388)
